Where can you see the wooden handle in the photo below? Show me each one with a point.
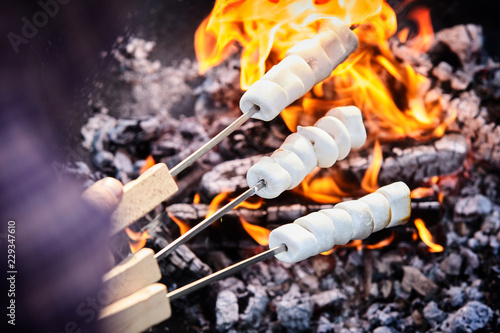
(133, 273)
(137, 312)
(142, 195)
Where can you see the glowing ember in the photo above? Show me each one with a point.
(137, 240)
(183, 227)
(426, 236)
(258, 233)
(148, 163)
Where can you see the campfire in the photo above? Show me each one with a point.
(429, 124)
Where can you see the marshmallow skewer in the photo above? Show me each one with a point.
(287, 166)
(307, 236)
(317, 232)
(306, 64)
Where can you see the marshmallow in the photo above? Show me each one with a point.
(337, 39)
(398, 195)
(321, 227)
(300, 243)
(276, 177)
(380, 210)
(287, 80)
(268, 96)
(300, 68)
(292, 164)
(361, 218)
(303, 148)
(342, 225)
(352, 118)
(311, 51)
(338, 132)
(325, 148)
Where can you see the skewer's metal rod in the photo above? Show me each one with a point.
(213, 142)
(209, 220)
(224, 272)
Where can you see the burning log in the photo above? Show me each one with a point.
(414, 164)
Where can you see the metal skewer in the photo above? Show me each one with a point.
(213, 142)
(209, 220)
(224, 272)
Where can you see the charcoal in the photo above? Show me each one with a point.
(94, 132)
(384, 329)
(465, 41)
(491, 224)
(257, 274)
(305, 279)
(471, 317)
(461, 80)
(226, 310)
(433, 314)
(385, 315)
(324, 325)
(124, 166)
(278, 273)
(451, 265)
(125, 131)
(443, 71)
(333, 297)
(104, 161)
(295, 310)
(472, 292)
(415, 319)
(472, 207)
(455, 296)
(416, 280)
(229, 176)
(236, 286)
(257, 304)
(471, 260)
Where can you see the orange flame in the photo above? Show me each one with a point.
(381, 244)
(425, 37)
(391, 94)
(196, 198)
(264, 28)
(426, 236)
(369, 182)
(258, 233)
(183, 227)
(137, 239)
(148, 163)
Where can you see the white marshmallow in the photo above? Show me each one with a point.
(300, 243)
(325, 148)
(321, 227)
(353, 119)
(276, 177)
(361, 218)
(269, 96)
(292, 164)
(311, 51)
(287, 80)
(379, 209)
(303, 148)
(339, 133)
(398, 195)
(301, 69)
(338, 40)
(342, 225)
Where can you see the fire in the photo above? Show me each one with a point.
(425, 36)
(369, 182)
(183, 227)
(426, 236)
(381, 244)
(259, 234)
(137, 239)
(148, 163)
(391, 94)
